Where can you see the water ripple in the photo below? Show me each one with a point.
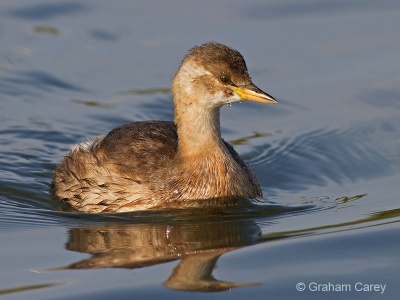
(337, 155)
(26, 82)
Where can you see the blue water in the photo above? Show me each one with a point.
(327, 155)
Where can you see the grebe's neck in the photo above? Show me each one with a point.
(198, 130)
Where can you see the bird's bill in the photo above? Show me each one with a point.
(253, 93)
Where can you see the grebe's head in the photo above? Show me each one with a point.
(212, 75)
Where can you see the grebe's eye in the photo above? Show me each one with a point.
(224, 78)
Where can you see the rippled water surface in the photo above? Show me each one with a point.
(327, 155)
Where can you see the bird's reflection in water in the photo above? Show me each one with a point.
(197, 244)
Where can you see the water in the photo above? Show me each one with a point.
(327, 155)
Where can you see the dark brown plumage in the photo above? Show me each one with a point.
(160, 164)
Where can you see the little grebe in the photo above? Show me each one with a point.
(163, 164)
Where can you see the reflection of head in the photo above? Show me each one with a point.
(198, 244)
(194, 273)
